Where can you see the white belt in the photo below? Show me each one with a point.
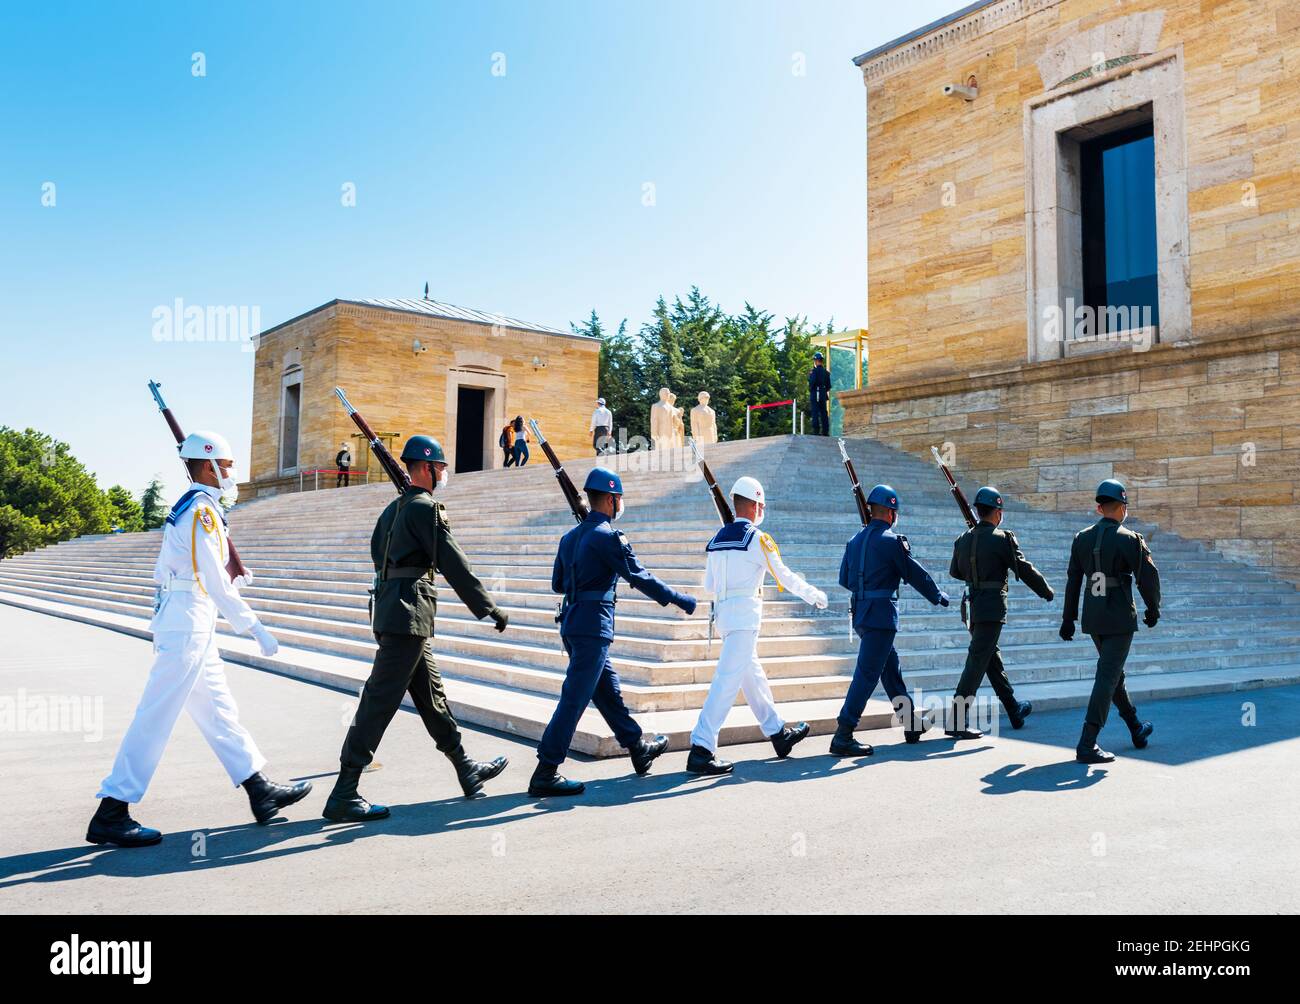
(735, 594)
(178, 586)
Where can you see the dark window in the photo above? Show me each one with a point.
(289, 427)
(1118, 175)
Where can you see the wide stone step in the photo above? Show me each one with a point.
(526, 713)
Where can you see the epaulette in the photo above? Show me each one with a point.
(184, 502)
(732, 537)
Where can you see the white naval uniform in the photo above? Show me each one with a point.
(739, 558)
(187, 671)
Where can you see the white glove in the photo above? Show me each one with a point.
(265, 640)
(819, 600)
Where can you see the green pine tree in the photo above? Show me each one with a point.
(46, 494)
(152, 509)
(127, 512)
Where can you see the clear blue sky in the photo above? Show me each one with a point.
(520, 194)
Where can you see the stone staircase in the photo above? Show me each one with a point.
(1224, 625)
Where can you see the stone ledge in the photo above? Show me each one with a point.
(1068, 369)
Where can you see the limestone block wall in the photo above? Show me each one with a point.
(946, 179)
(1206, 437)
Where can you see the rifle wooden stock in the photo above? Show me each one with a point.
(719, 500)
(396, 473)
(234, 566)
(863, 512)
(571, 496)
(953, 487)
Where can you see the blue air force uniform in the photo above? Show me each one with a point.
(592, 557)
(875, 562)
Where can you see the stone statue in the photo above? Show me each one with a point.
(704, 421)
(661, 420)
(679, 423)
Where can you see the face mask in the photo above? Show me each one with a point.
(758, 521)
(618, 510)
(442, 478)
(229, 488)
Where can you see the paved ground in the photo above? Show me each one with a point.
(1205, 820)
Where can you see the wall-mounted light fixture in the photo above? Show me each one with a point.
(417, 346)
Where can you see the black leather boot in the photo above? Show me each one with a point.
(1022, 711)
(1088, 751)
(345, 804)
(545, 781)
(789, 737)
(957, 727)
(472, 773)
(701, 761)
(914, 735)
(644, 752)
(266, 798)
(112, 824)
(843, 744)
(1140, 731)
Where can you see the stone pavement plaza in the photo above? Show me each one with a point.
(1202, 821)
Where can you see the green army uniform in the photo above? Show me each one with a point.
(412, 538)
(982, 557)
(1107, 558)
(412, 541)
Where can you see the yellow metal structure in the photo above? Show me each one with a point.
(853, 340)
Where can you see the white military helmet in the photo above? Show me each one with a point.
(749, 488)
(206, 446)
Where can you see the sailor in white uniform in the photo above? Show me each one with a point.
(193, 587)
(739, 558)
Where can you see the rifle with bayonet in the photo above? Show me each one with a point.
(724, 513)
(571, 496)
(396, 473)
(863, 512)
(234, 566)
(967, 515)
(719, 500)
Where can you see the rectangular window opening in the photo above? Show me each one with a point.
(1118, 209)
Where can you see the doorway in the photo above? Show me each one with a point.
(470, 416)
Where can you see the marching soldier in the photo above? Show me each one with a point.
(187, 673)
(875, 561)
(591, 559)
(411, 540)
(739, 558)
(982, 557)
(1110, 557)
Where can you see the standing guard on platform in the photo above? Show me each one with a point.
(739, 558)
(1110, 557)
(412, 540)
(194, 585)
(875, 561)
(982, 557)
(591, 559)
(819, 396)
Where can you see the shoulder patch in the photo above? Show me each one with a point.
(902, 539)
(204, 517)
(622, 539)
